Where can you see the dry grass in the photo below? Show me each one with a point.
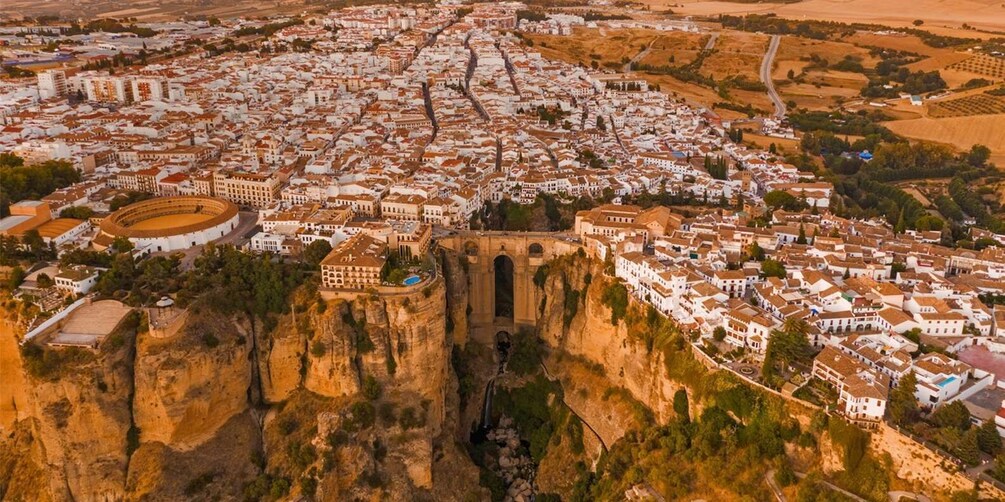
(683, 47)
(940, 16)
(960, 132)
(811, 97)
(736, 53)
(762, 141)
(154, 10)
(906, 43)
(587, 44)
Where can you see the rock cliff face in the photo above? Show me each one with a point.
(74, 417)
(206, 411)
(590, 335)
(190, 384)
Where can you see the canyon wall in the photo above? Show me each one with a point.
(205, 407)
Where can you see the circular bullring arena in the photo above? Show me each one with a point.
(169, 223)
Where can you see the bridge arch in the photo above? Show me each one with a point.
(491, 259)
(503, 283)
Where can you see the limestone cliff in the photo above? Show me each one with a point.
(584, 329)
(223, 407)
(75, 416)
(190, 384)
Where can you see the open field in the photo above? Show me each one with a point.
(765, 142)
(610, 49)
(818, 88)
(153, 10)
(694, 94)
(736, 53)
(960, 132)
(683, 47)
(940, 16)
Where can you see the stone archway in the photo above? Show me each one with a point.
(502, 268)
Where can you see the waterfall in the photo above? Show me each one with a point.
(486, 422)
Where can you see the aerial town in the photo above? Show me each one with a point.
(414, 180)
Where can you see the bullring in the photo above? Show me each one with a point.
(169, 223)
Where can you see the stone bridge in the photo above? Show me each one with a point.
(501, 268)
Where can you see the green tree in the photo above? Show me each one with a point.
(78, 212)
(928, 222)
(968, 449)
(954, 414)
(371, 388)
(719, 333)
(36, 245)
(778, 199)
(615, 296)
(316, 251)
(15, 278)
(44, 281)
(755, 251)
(122, 245)
(801, 239)
(32, 182)
(988, 439)
(773, 268)
(680, 405)
(978, 155)
(902, 406)
(10, 160)
(601, 126)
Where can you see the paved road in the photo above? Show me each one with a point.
(836, 488)
(769, 58)
(896, 496)
(246, 222)
(711, 42)
(769, 477)
(638, 57)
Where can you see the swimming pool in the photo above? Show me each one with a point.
(412, 279)
(947, 381)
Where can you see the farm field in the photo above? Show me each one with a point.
(940, 16)
(153, 10)
(974, 104)
(981, 64)
(960, 132)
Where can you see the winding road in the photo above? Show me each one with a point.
(766, 63)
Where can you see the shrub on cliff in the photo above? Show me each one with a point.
(525, 353)
(50, 364)
(615, 297)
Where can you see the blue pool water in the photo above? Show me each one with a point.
(412, 279)
(947, 381)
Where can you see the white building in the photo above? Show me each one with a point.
(52, 84)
